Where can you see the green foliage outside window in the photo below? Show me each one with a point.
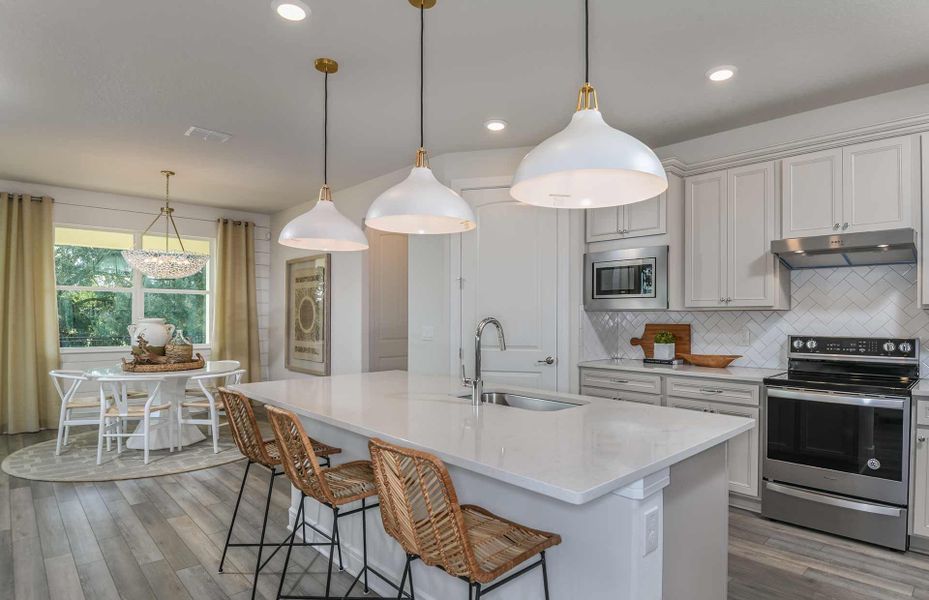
(100, 317)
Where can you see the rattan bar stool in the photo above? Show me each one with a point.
(334, 487)
(247, 437)
(420, 509)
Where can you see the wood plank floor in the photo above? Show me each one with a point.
(162, 538)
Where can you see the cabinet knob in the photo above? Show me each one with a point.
(921, 439)
(835, 227)
(844, 226)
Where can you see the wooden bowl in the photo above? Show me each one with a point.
(716, 361)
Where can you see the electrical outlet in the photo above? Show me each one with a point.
(746, 337)
(652, 533)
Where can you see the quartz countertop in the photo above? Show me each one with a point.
(921, 390)
(750, 374)
(575, 455)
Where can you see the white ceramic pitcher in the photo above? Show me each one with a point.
(155, 331)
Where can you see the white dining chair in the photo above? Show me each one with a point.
(202, 396)
(78, 407)
(114, 417)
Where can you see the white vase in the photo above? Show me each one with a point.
(155, 331)
(664, 351)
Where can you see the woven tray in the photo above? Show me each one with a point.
(193, 365)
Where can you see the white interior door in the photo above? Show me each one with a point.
(389, 292)
(509, 270)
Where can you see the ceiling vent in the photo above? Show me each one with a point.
(208, 135)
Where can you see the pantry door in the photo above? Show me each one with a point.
(509, 270)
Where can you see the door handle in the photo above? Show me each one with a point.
(548, 360)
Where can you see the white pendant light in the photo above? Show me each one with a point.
(324, 228)
(420, 204)
(588, 164)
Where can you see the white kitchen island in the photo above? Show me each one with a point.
(638, 493)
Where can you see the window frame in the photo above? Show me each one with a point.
(137, 291)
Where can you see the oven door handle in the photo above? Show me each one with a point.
(876, 509)
(898, 404)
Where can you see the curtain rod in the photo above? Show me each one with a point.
(140, 212)
(33, 198)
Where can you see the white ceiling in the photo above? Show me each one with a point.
(97, 94)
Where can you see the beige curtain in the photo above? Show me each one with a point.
(235, 327)
(28, 314)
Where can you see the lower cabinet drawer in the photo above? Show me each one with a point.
(621, 380)
(715, 391)
(622, 395)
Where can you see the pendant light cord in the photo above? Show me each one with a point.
(326, 129)
(586, 41)
(422, 72)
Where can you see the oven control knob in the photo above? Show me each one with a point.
(811, 345)
(905, 347)
(798, 344)
(889, 346)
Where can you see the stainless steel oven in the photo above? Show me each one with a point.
(632, 279)
(836, 439)
(850, 444)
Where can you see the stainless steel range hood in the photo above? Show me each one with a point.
(885, 247)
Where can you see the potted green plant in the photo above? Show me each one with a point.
(664, 345)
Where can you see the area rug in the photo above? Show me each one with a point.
(78, 460)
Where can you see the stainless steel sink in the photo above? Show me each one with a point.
(524, 402)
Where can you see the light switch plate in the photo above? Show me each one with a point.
(428, 333)
(652, 531)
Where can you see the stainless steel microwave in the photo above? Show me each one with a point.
(633, 279)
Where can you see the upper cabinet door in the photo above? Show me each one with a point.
(752, 224)
(812, 193)
(604, 223)
(648, 217)
(705, 229)
(878, 185)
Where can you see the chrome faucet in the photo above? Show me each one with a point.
(477, 383)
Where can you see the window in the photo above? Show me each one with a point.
(99, 295)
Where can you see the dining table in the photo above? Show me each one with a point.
(174, 390)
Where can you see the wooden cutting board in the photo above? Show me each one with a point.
(681, 333)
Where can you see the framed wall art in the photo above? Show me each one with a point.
(308, 314)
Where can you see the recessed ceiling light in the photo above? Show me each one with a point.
(722, 73)
(495, 125)
(292, 10)
(883, 245)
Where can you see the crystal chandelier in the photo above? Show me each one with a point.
(166, 264)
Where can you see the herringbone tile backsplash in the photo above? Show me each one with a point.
(855, 301)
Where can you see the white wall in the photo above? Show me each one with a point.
(349, 352)
(96, 209)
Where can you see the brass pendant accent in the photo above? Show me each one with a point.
(421, 158)
(587, 98)
(422, 3)
(168, 173)
(326, 65)
(325, 193)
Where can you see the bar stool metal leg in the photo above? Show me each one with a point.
(544, 575)
(261, 541)
(290, 546)
(332, 547)
(235, 511)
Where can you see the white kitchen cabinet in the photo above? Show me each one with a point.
(730, 218)
(877, 185)
(811, 199)
(921, 483)
(653, 399)
(741, 451)
(862, 187)
(705, 225)
(639, 219)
